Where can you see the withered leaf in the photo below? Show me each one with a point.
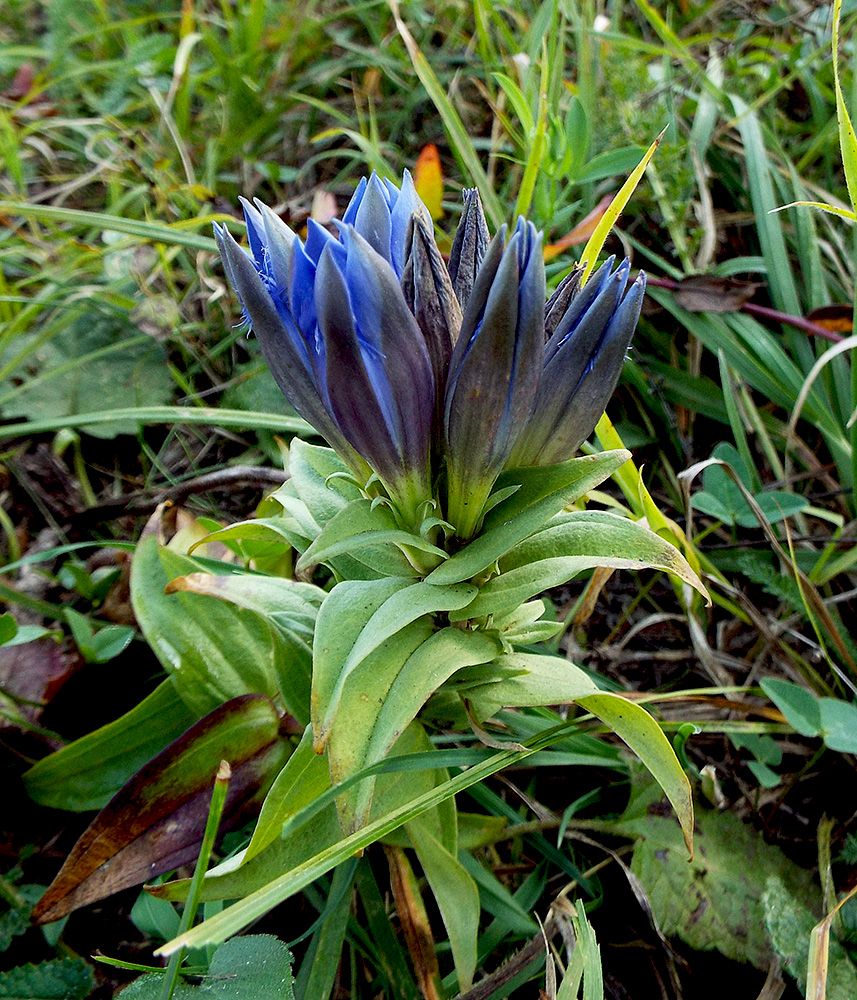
(837, 318)
(711, 293)
(155, 822)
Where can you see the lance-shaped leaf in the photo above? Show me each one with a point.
(156, 821)
(537, 495)
(380, 702)
(568, 545)
(355, 620)
(357, 526)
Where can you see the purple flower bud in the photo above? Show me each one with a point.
(583, 360)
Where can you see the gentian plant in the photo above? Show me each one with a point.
(453, 398)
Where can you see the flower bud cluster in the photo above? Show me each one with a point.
(430, 379)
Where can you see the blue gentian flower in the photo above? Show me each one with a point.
(421, 375)
(494, 371)
(590, 332)
(339, 338)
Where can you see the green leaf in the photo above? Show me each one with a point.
(528, 679)
(212, 649)
(320, 966)
(304, 777)
(94, 363)
(355, 620)
(799, 706)
(790, 923)
(541, 493)
(610, 163)
(382, 700)
(838, 724)
(87, 773)
(60, 979)
(176, 235)
(357, 526)
(457, 898)
(715, 901)
(290, 608)
(568, 545)
(209, 416)
(847, 138)
(8, 628)
(645, 737)
(255, 967)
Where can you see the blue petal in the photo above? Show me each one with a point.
(372, 220)
(354, 204)
(406, 204)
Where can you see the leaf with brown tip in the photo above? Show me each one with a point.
(156, 821)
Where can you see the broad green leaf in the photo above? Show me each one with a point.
(838, 724)
(254, 967)
(155, 822)
(353, 721)
(8, 628)
(541, 493)
(610, 164)
(289, 607)
(357, 526)
(343, 615)
(645, 737)
(352, 623)
(716, 900)
(799, 706)
(87, 773)
(291, 880)
(58, 979)
(457, 898)
(213, 650)
(568, 545)
(304, 776)
(323, 483)
(272, 530)
(94, 363)
(303, 839)
(321, 479)
(790, 924)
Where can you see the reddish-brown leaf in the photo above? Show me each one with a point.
(155, 822)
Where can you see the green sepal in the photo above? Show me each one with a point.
(357, 526)
(570, 544)
(540, 494)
